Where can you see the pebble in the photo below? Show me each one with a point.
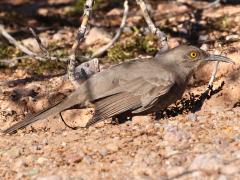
(175, 171)
(103, 151)
(232, 37)
(176, 137)
(74, 158)
(112, 147)
(97, 35)
(88, 160)
(192, 117)
(52, 177)
(222, 177)
(14, 152)
(230, 169)
(142, 120)
(32, 172)
(41, 160)
(19, 164)
(207, 162)
(203, 38)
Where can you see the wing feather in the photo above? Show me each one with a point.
(114, 105)
(136, 95)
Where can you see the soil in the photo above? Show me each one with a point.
(189, 140)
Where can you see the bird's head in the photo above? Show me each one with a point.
(190, 58)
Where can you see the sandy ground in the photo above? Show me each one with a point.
(200, 145)
(203, 144)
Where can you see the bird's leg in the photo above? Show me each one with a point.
(210, 84)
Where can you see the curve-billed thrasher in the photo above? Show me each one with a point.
(137, 87)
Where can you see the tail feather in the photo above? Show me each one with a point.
(56, 108)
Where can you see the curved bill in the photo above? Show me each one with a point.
(212, 57)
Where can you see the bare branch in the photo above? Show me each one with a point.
(119, 32)
(25, 50)
(41, 46)
(215, 3)
(80, 35)
(156, 31)
(15, 43)
(12, 62)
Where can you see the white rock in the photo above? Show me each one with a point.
(97, 35)
(32, 44)
(207, 162)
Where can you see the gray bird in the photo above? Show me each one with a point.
(136, 87)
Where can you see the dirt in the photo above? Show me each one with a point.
(175, 145)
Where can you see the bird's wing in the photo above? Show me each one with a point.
(137, 93)
(157, 87)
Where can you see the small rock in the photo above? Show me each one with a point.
(216, 109)
(112, 147)
(88, 160)
(75, 158)
(174, 171)
(222, 177)
(32, 172)
(192, 117)
(45, 142)
(32, 44)
(176, 137)
(14, 152)
(97, 35)
(204, 47)
(103, 152)
(232, 37)
(19, 164)
(230, 169)
(41, 160)
(203, 38)
(142, 120)
(52, 177)
(202, 118)
(207, 162)
(115, 12)
(64, 144)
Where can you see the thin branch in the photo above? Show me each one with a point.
(80, 35)
(15, 43)
(13, 61)
(25, 50)
(41, 46)
(215, 3)
(119, 32)
(156, 31)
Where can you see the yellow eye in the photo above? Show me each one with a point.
(193, 54)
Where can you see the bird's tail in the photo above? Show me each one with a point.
(56, 108)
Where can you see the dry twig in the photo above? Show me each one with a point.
(86, 69)
(15, 43)
(154, 30)
(41, 46)
(25, 50)
(119, 32)
(80, 35)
